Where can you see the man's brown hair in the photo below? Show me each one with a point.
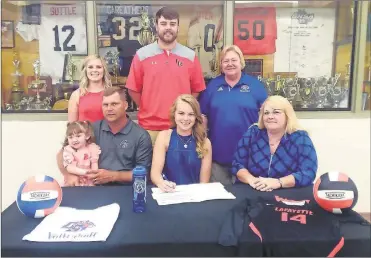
(112, 90)
(168, 13)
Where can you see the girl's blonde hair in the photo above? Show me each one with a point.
(235, 49)
(79, 127)
(84, 81)
(279, 102)
(198, 129)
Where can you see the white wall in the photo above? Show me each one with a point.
(29, 148)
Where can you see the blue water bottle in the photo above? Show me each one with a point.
(139, 189)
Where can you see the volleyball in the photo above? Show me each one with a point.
(335, 192)
(39, 196)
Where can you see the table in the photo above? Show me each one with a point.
(189, 229)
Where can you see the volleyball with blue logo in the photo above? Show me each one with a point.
(335, 192)
(39, 196)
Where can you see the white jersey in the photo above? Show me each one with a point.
(28, 32)
(304, 41)
(62, 31)
(206, 39)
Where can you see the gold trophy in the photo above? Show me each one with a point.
(16, 91)
(145, 35)
(37, 84)
(71, 68)
(116, 65)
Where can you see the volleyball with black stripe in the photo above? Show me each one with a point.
(335, 192)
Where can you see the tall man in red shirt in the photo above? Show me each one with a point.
(162, 71)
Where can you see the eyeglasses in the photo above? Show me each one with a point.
(226, 61)
(275, 112)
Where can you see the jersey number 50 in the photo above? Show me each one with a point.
(244, 32)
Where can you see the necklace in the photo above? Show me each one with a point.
(186, 142)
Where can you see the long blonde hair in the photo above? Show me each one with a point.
(292, 123)
(198, 129)
(84, 81)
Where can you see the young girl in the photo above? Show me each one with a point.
(80, 153)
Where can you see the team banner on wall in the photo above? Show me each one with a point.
(305, 40)
(126, 28)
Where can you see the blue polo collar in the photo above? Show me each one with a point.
(125, 130)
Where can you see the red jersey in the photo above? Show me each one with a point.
(255, 30)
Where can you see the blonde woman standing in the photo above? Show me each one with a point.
(230, 104)
(182, 154)
(85, 103)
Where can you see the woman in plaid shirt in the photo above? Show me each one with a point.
(276, 152)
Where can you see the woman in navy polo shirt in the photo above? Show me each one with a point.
(230, 104)
(276, 152)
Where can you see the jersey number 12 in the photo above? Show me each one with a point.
(66, 47)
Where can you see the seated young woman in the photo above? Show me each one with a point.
(182, 154)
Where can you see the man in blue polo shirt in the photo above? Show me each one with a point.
(124, 144)
(230, 104)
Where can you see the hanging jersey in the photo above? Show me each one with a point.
(255, 30)
(315, 231)
(122, 23)
(28, 32)
(62, 31)
(205, 37)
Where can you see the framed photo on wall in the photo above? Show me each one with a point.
(7, 34)
(254, 67)
(77, 60)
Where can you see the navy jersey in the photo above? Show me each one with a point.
(122, 23)
(282, 228)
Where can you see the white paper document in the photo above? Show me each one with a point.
(192, 193)
(73, 225)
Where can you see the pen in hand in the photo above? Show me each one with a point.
(169, 184)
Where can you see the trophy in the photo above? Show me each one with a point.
(321, 91)
(145, 35)
(291, 88)
(71, 68)
(213, 63)
(37, 84)
(116, 65)
(269, 85)
(16, 91)
(112, 58)
(306, 90)
(336, 92)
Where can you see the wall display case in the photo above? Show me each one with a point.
(302, 50)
